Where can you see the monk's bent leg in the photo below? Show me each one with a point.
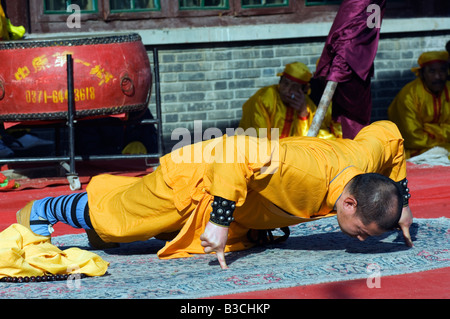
(133, 211)
(41, 215)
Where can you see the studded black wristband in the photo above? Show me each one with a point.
(222, 213)
(405, 191)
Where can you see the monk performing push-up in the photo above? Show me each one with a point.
(207, 197)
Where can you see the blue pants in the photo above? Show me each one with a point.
(70, 209)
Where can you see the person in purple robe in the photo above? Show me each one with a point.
(347, 58)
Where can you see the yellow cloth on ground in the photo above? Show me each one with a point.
(422, 118)
(279, 183)
(265, 109)
(23, 253)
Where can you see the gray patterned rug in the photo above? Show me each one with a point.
(316, 252)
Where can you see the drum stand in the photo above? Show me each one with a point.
(72, 176)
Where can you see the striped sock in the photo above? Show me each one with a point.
(70, 209)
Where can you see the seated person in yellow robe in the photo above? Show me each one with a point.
(287, 106)
(242, 183)
(7, 30)
(421, 109)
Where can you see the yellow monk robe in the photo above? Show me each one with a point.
(265, 109)
(22, 253)
(422, 118)
(284, 183)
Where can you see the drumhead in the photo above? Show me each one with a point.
(69, 41)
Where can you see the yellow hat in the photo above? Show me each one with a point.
(297, 72)
(430, 57)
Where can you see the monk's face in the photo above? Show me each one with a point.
(434, 75)
(355, 228)
(350, 222)
(292, 93)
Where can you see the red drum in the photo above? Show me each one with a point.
(111, 76)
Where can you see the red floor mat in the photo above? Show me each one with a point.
(432, 284)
